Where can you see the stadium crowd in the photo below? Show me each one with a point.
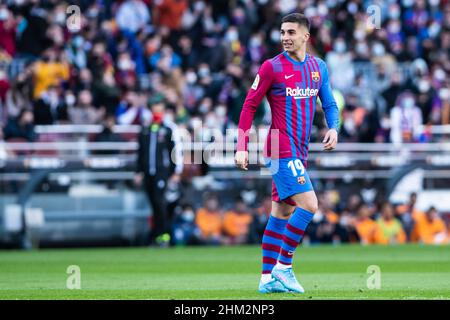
(201, 56)
(336, 222)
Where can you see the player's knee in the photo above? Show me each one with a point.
(311, 206)
(282, 215)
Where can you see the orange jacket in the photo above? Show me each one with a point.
(367, 230)
(209, 223)
(235, 224)
(425, 231)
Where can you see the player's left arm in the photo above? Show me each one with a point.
(330, 108)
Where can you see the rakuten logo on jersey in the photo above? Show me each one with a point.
(300, 93)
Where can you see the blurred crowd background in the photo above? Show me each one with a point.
(391, 84)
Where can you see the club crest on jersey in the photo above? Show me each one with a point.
(255, 83)
(301, 180)
(315, 75)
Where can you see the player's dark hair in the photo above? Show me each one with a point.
(299, 18)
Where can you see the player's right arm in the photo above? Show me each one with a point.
(259, 88)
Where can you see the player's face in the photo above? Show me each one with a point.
(293, 36)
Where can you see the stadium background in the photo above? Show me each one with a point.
(72, 104)
(62, 90)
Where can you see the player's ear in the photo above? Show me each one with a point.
(307, 36)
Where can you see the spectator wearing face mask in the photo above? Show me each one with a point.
(406, 119)
(339, 61)
(184, 229)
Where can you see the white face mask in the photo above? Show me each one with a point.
(378, 49)
(60, 18)
(361, 48)
(70, 99)
(275, 35)
(191, 77)
(423, 86)
(188, 216)
(4, 14)
(211, 121)
(408, 103)
(125, 64)
(221, 111)
(232, 35)
(340, 47)
(203, 72)
(434, 3)
(394, 14)
(439, 75)
(359, 34)
(255, 42)
(196, 123)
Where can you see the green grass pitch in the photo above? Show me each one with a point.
(326, 272)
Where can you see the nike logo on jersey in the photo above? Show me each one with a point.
(287, 77)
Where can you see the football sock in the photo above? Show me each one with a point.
(293, 234)
(271, 245)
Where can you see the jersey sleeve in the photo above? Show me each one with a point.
(262, 83)
(329, 104)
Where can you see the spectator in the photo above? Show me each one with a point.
(106, 93)
(406, 119)
(85, 112)
(165, 60)
(409, 214)
(21, 127)
(132, 15)
(51, 71)
(366, 228)
(7, 31)
(50, 107)
(184, 230)
(169, 13)
(108, 135)
(324, 224)
(390, 229)
(430, 228)
(236, 223)
(210, 221)
(132, 110)
(260, 218)
(34, 39)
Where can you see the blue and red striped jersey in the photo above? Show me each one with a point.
(292, 88)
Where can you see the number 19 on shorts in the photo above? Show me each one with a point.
(295, 166)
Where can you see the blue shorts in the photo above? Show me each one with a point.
(289, 177)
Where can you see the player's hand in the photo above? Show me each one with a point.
(241, 159)
(330, 140)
